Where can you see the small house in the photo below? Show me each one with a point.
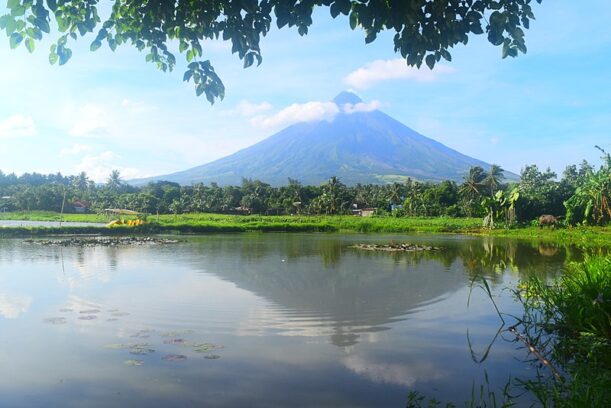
(81, 207)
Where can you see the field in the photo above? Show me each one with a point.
(208, 223)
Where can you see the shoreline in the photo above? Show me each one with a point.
(196, 224)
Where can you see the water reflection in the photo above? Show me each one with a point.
(297, 315)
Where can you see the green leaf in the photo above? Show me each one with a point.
(30, 45)
(13, 4)
(430, 61)
(187, 76)
(64, 54)
(95, 45)
(53, 58)
(190, 55)
(43, 24)
(10, 26)
(353, 20)
(18, 11)
(52, 4)
(445, 54)
(15, 40)
(182, 46)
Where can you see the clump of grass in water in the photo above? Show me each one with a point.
(572, 316)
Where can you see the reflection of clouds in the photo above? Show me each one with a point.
(12, 306)
(394, 373)
(86, 265)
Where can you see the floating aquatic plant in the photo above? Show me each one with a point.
(88, 317)
(212, 356)
(206, 347)
(89, 312)
(133, 363)
(126, 346)
(66, 310)
(142, 334)
(178, 342)
(120, 314)
(55, 320)
(174, 357)
(141, 350)
(176, 333)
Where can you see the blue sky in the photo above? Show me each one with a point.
(106, 110)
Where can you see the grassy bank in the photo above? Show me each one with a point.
(208, 223)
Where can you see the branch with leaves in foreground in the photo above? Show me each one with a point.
(424, 30)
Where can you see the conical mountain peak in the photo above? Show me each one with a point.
(347, 97)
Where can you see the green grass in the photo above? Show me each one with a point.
(573, 314)
(206, 223)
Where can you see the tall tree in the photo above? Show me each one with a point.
(424, 30)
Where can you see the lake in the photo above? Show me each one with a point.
(259, 320)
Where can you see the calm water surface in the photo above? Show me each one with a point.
(257, 320)
(22, 223)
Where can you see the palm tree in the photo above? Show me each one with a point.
(494, 178)
(471, 189)
(114, 181)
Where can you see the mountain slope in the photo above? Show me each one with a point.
(358, 147)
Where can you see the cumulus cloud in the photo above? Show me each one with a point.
(12, 306)
(75, 150)
(91, 121)
(384, 70)
(99, 166)
(17, 126)
(311, 112)
(361, 107)
(305, 112)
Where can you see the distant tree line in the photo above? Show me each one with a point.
(583, 194)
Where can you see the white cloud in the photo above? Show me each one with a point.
(383, 70)
(137, 106)
(98, 167)
(246, 108)
(17, 126)
(75, 150)
(12, 306)
(361, 107)
(91, 121)
(306, 112)
(394, 373)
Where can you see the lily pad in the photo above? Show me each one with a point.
(112, 319)
(140, 351)
(174, 357)
(55, 320)
(212, 356)
(66, 310)
(133, 363)
(89, 312)
(176, 333)
(126, 346)
(142, 334)
(206, 347)
(120, 314)
(88, 317)
(178, 341)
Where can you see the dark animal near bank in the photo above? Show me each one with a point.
(548, 220)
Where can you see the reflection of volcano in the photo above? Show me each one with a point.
(344, 298)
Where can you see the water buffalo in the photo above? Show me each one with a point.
(548, 220)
